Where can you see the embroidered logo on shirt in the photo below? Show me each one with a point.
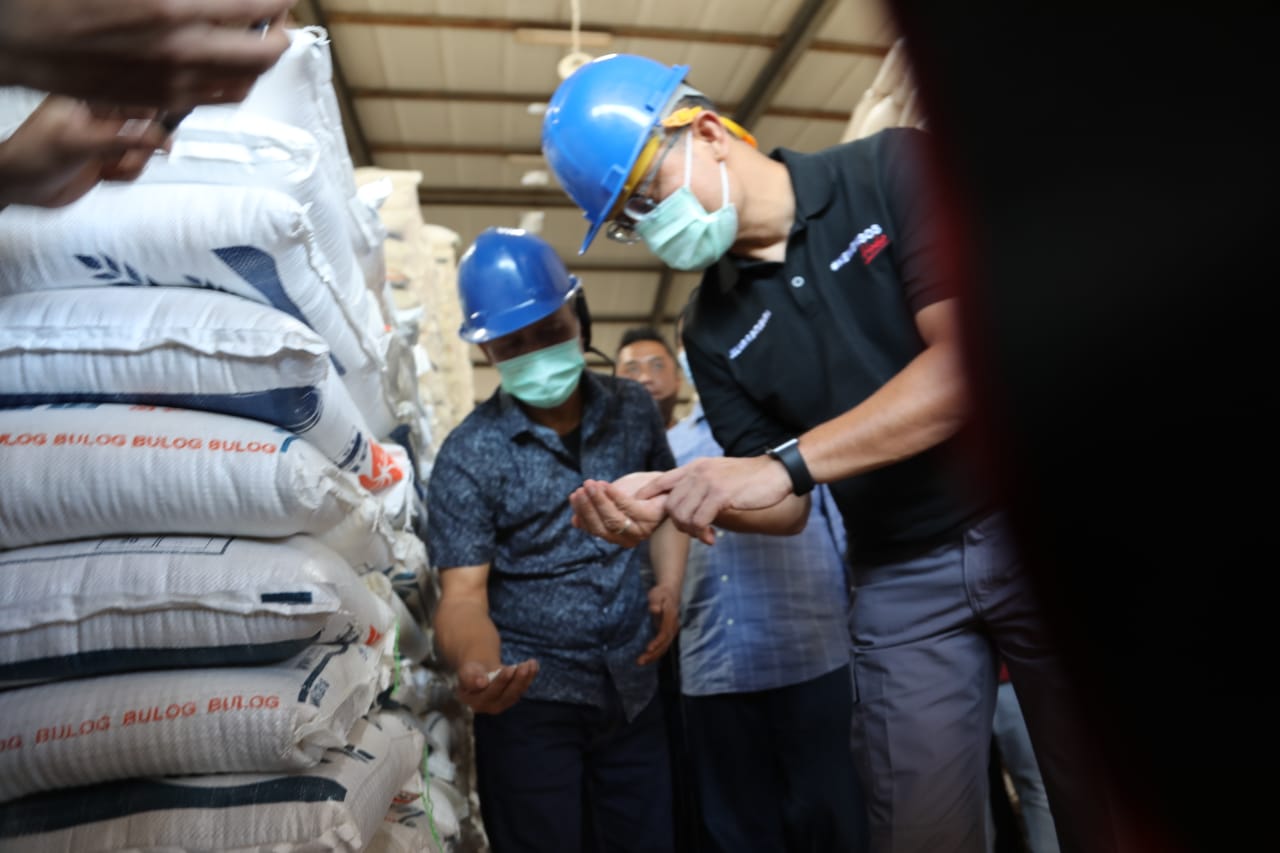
(751, 335)
(869, 243)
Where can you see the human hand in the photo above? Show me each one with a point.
(485, 695)
(65, 148)
(698, 492)
(612, 512)
(665, 606)
(157, 53)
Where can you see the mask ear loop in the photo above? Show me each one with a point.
(688, 171)
(688, 159)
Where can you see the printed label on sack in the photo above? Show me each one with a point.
(154, 714)
(150, 442)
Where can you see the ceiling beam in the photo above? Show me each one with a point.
(619, 268)
(660, 296)
(798, 37)
(465, 196)
(458, 22)
(456, 150)
(524, 98)
(310, 13)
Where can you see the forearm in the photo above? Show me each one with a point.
(922, 406)
(465, 632)
(668, 553)
(785, 518)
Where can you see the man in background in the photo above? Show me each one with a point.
(763, 661)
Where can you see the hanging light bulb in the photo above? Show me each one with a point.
(575, 58)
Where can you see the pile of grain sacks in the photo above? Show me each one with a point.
(891, 100)
(214, 601)
(422, 267)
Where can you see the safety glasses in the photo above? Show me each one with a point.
(640, 204)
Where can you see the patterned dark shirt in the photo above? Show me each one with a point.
(499, 494)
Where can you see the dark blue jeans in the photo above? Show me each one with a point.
(561, 778)
(774, 769)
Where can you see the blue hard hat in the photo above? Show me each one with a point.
(597, 123)
(509, 279)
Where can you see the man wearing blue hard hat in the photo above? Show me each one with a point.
(824, 343)
(550, 630)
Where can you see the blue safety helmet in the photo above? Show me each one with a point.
(597, 123)
(509, 279)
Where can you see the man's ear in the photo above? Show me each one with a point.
(707, 128)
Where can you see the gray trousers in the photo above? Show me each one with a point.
(925, 635)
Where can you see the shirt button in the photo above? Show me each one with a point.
(724, 577)
(728, 621)
(797, 281)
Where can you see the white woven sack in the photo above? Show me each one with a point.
(204, 351)
(421, 689)
(339, 805)
(198, 350)
(406, 828)
(16, 105)
(100, 606)
(75, 471)
(298, 90)
(255, 242)
(185, 721)
(225, 144)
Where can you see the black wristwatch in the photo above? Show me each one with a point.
(788, 453)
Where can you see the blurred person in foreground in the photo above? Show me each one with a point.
(119, 74)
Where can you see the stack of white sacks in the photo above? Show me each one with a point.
(422, 264)
(421, 270)
(212, 590)
(892, 99)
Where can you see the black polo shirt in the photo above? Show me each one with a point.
(778, 348)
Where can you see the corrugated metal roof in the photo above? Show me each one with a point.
(444, 87)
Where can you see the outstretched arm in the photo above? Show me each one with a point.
(470, 644)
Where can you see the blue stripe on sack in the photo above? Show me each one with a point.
(259, 269)
(286, 598)
(108, 661)
(295, 409)
(319, 668)
(348, 461)
(70, 807)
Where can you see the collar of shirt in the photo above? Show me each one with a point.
(813, 181)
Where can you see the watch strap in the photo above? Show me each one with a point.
(788, 453)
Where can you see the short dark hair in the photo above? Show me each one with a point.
(644, 333)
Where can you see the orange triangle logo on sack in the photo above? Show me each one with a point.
(385, 470)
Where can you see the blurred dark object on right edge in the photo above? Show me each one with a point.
(1112, 197)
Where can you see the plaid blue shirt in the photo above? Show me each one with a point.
(760, 612)
(499, 494)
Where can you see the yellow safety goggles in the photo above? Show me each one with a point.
(622, 217)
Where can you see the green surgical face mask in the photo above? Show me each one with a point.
(682, 233)
(544, 378)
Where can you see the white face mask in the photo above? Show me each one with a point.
(544, 378)
(681, 232)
